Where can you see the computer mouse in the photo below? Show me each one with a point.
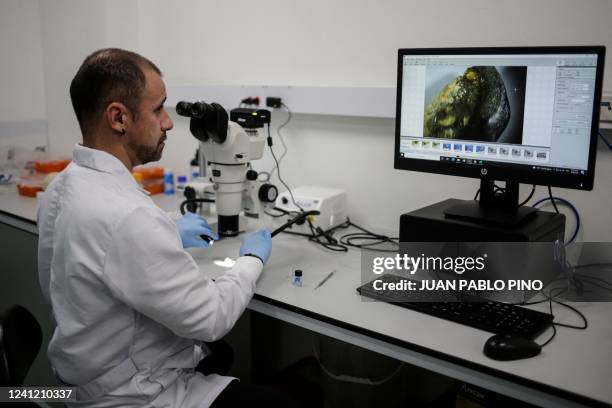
(506, 347)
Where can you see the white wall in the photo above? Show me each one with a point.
(71, 30)
(354, 43)
(347, 42)
(316, 43)
(22, 97)
(21, 51)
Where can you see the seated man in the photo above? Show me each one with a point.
(131, 305)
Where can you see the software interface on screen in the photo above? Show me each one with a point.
(532, 110)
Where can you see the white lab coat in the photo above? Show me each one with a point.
(131, 305)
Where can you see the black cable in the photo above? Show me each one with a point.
(594, 264)
(297, 218)
(552, 323)
(194, 200)
(497, 188)
(605, 140)
(552, 199)
(551, 337)
(282, 211)
(278, 170)
(571, 206)
(585, 322)
(533, 189)
(555, 324)
(349, 239)
(503, 190)
(280, 136)
(331, 243)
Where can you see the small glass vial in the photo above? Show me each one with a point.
(297, 277)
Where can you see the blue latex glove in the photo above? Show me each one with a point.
(258, 243)
(190, 227)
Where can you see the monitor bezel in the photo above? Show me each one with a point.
(517, 173)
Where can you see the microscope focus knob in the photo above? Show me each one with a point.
(268, 193)
(251, 175)
(189, 193)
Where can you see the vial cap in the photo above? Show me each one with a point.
(182, 179)
(298, 272)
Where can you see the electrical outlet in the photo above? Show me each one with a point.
(606, 108)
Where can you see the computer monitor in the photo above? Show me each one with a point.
(519, 115)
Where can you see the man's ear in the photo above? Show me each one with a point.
(117, 116)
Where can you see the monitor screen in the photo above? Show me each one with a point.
(524, 114)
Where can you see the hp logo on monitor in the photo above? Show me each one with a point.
(483, 172)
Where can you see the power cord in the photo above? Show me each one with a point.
(268, 174)
(278, 170)
(280, 137)
(356, 239)
(502, 190)
(497, 188)
(557, 324)
(566, 203)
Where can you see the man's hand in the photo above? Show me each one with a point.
(190, 227)
(258, 244)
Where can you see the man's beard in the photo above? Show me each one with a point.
(146, 154)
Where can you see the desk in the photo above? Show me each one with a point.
(575, 369)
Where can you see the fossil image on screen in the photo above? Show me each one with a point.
(481, 103)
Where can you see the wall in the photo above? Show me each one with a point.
(22, 98)
(315, 43)
(354, 43)
(71, 30)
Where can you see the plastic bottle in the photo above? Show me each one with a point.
(138, 177)
(168, 182)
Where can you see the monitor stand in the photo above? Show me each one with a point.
(497, 206)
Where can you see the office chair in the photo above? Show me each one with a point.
(20, 340)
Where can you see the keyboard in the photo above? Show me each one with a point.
(467, 309)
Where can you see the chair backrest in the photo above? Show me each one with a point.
(20, 340)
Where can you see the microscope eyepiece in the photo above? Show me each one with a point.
(202, 110)
(208, 121)
(183, 108)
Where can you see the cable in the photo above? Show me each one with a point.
(497, 188)
(297, 218)
(551, 337)
(331, 244)
(552, 199)
(280, 136)
(551, 299)
(604, 140)
(571, 206)
(365, 235)
(194, 200)
(533, 189)
(278, 170)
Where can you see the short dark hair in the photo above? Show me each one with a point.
(108, 75)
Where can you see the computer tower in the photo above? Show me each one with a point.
(429, 224)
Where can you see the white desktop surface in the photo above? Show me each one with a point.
(576, 362)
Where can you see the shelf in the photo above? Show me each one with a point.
(375, 102)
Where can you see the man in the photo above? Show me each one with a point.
(131, 305)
